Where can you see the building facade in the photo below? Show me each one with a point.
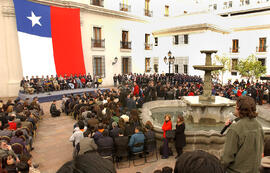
(124, 36)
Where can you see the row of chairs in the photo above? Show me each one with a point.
(125, 155)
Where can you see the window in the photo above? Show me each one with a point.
(156, 41)
(176, 39)
(185, 39)
(235, 44)
(230, 4)
(97, 37)
(125, 44)
(166, 10)
(99, 66)
(234, 63)
(147, 65)
(126, 65)
(215, 6)
(176, 68)
(225, 5)
(147, 40)
(156, 60)
(156, 68)
(262, 44)
(185, 68)
(234, 73)
(180, 39)
(262, 61)
(97, 2)
(124, 6)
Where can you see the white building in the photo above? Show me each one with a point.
(141, 32)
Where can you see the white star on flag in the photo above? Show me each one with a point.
(35, 19)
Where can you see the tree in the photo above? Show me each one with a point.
(250, 67)
(223, 60)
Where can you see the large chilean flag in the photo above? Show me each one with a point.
(50, 39)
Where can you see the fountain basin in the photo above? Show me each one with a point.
(208, 68)
(201, 136)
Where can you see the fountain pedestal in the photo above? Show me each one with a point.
(208, 68)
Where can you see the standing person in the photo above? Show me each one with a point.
(180, 137)
(115, 78)
(167, 125)
(244, 141)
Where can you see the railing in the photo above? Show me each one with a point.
(235, 50)
(148, 46)
(125, 7)
(148, 13)
(97, 2)
(98, 43)
(261, 49)
(125, 45)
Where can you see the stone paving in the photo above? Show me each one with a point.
(53, 149)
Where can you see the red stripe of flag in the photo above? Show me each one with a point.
(67, 42)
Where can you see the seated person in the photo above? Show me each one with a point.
(150, 136)
(53, 110)
(6, 131)
(18, 139)
(6, 150)
(12, 124)
(99, 132)
(121, 144)
(28, 137)
(105, 144)
(199, 162)
(87, 144)
(115, 131)
(135, 139)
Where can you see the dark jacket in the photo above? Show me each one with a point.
(243, 146)
(105, 146)
(114, 132)
(121, 146)
(150, 141)
(53, 110)
(131, 104)
(180, 137)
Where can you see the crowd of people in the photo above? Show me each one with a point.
(55, 83)
(106, 127)
(109, 124)
(18, 124)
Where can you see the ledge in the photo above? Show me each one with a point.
(98, 48)
(125, 50)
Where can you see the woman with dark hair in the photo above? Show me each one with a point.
(198, 162)
(180, 138)
(167, 125)
(244, 141)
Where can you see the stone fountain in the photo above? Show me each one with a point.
(207, 108)
(204, 115)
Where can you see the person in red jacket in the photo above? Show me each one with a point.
(12, 124)
(136, 89)
(167, 125)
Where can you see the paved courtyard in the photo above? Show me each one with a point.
(53, 149)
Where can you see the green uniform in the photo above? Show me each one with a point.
(243, 147)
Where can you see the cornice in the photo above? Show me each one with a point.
(9, 10)
(251, 28)
(196, 28)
